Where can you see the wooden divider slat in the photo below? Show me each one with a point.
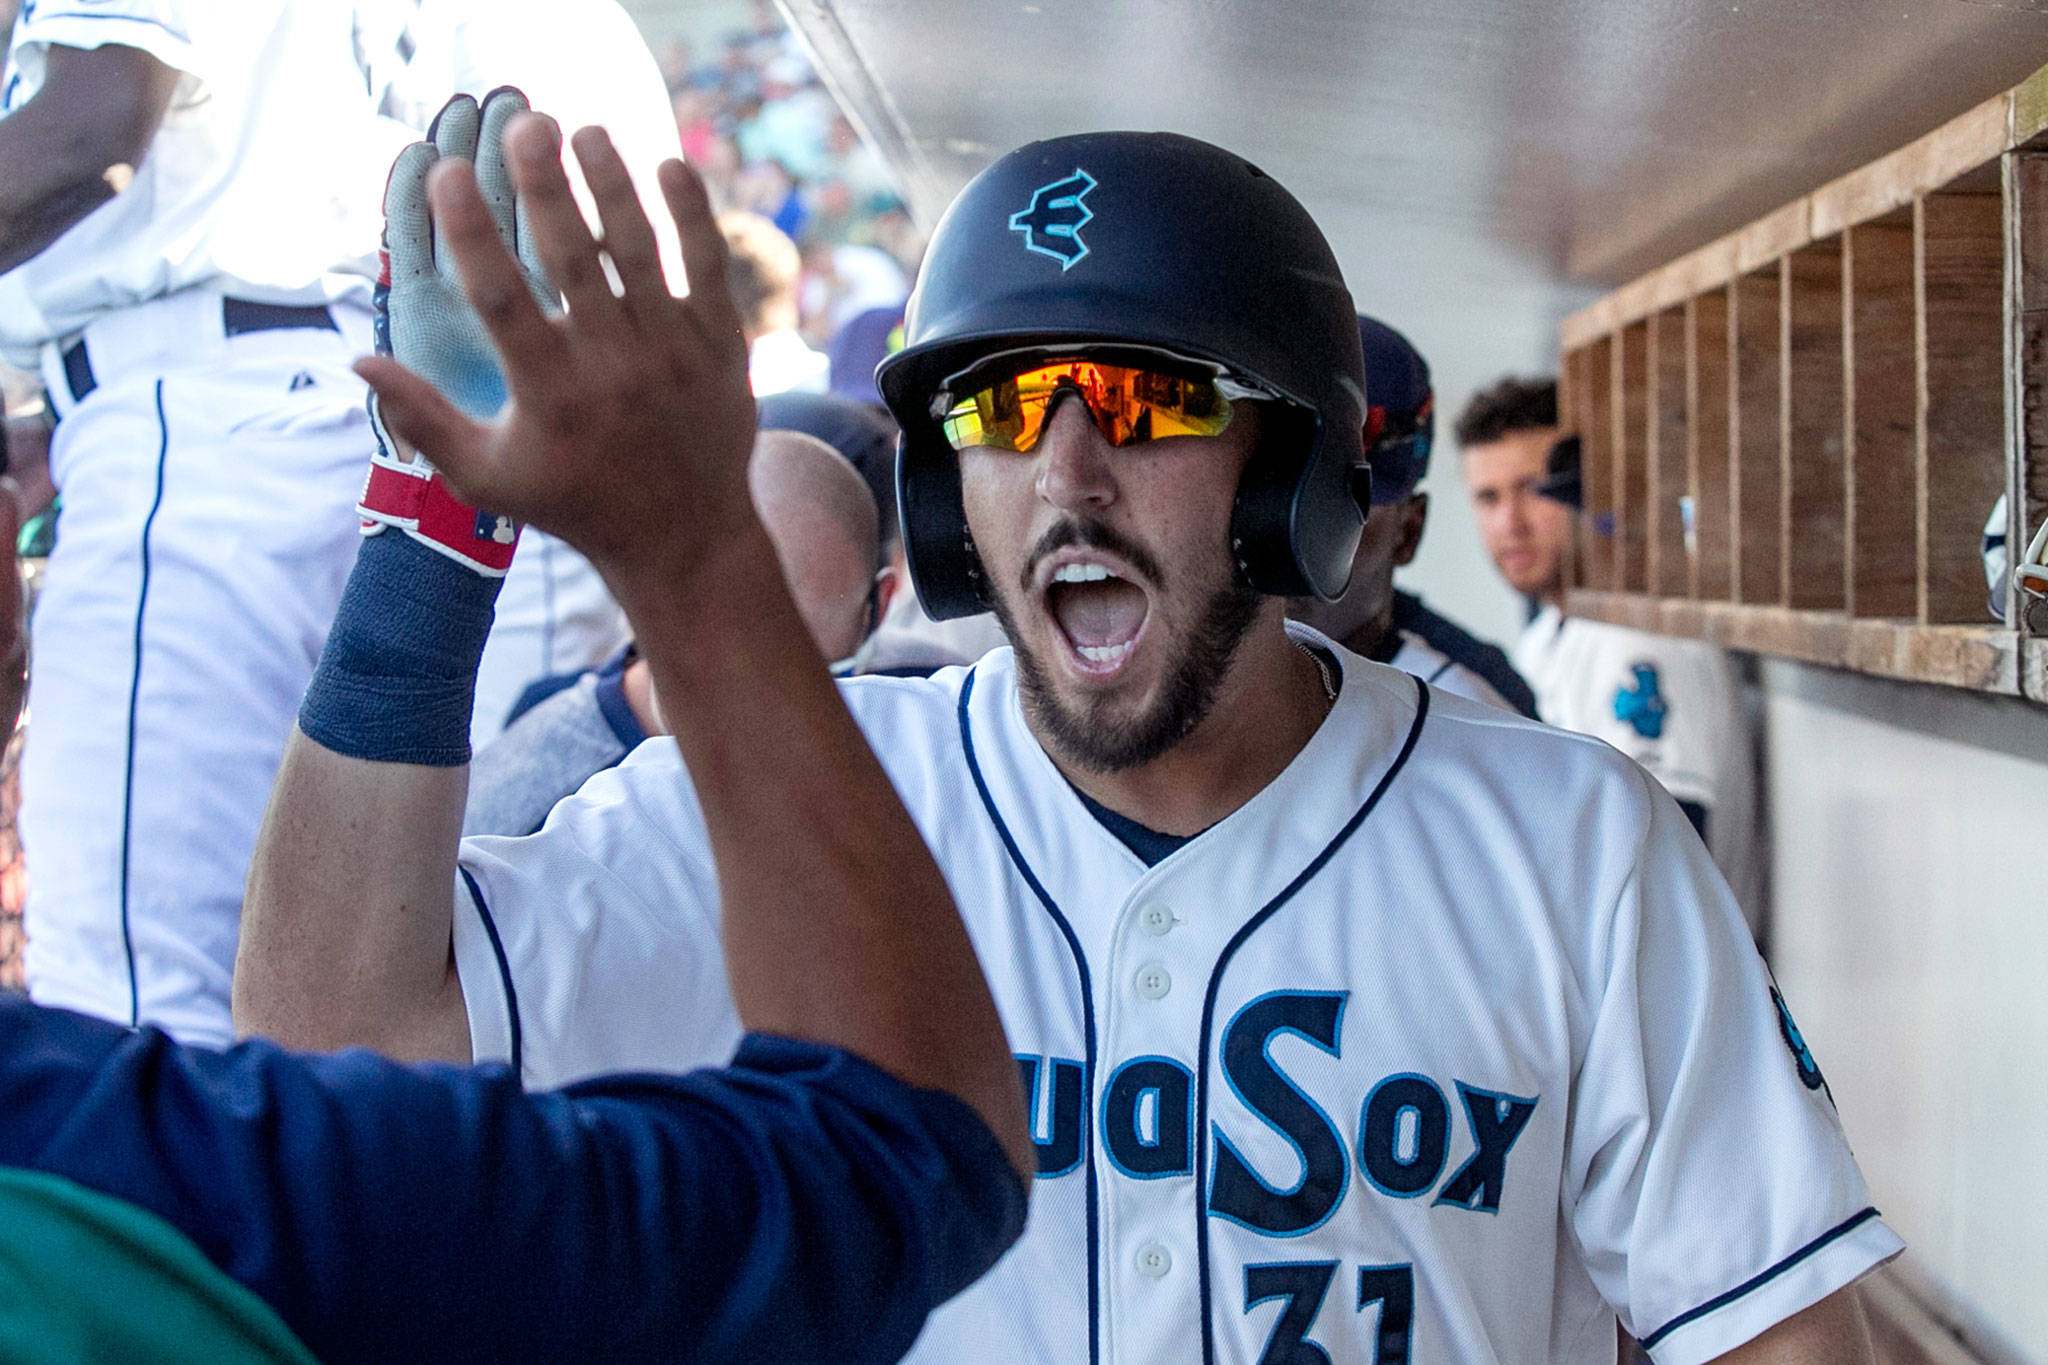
(1571, 405)
(1754, 400)
(1990, 660)
(1707, 443)
(1631, 418)
(1811, 425)
(1667, 487)
(1596, 467)
(2026, 235)
(1962, 398)
(1881, 573)
(1569, 371)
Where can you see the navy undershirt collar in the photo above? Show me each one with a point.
(1149, 844)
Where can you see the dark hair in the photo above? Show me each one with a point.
(1509, 406)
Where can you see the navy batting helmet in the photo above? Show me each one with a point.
(1151, 243)
(1400, 424)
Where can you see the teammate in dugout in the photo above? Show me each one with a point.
(188, 216)
(1357, 1021)
(1675, 706)
(1373, 617)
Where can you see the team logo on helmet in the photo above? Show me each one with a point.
(1052, 223)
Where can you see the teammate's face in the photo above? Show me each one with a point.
(1524, 533)
(1110, 569)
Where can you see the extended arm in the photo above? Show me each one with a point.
(347, 923)
(1832, 1332)
(799, 1205)
(72, 146)
(628, 436)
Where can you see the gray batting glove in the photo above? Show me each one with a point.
(424, 321)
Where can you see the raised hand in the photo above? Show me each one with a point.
(629, 419)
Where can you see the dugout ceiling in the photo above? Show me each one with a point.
(1458, 151)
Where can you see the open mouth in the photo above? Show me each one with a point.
(1100, 613)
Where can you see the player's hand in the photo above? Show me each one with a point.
(630, 420)
(424, 322)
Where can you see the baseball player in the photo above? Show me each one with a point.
(1356, 1021)
(1373, 617)
(207, 522)
(189, 238)
(821, 517)
(1675, 706)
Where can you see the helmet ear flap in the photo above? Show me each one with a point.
(944, 567)
(1286, 541)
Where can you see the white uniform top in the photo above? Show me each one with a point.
(1674, 706)
(1418, 658)
(583, 62)
(264, 180)
(783, 362)
(1453, 1030)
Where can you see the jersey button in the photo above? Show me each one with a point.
(1156, 920)
(1153, 981)
(1154, 1260)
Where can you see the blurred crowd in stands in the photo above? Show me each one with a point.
(755, 118)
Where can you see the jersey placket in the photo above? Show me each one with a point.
(1153, 954)
(1157, 954)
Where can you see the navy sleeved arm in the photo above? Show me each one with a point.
(1459, 645)
(800, 1204)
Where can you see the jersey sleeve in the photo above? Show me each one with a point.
(1708, 1180)
(799, 1205)
(593, 945)
(1461, 681)
(159, 27)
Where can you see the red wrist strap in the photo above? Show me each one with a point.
(424, 507)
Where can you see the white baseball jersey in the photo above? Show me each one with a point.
(1674, 706)
(1447, 1046)
(208, 464)
(1418, 658)
(263, 181)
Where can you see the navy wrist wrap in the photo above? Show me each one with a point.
(397, 680)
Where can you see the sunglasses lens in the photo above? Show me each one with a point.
(1126, 404)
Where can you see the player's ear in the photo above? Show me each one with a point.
(1414, 513)
(887, 581)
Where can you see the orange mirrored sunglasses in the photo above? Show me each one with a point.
(1127, 404)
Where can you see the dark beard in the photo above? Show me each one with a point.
(1103, 745)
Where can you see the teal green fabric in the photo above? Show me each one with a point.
(86, 1277)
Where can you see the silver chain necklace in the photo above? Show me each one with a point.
(1322, 670)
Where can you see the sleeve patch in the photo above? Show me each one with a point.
(1795, 1042)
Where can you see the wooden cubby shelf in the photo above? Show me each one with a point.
(1794, 435)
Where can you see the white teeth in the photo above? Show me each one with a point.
(1081, 573)
(1102, 654)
